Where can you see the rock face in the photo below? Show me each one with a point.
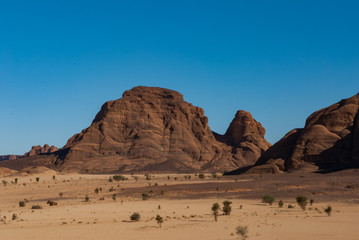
(330, 139)
(36, 150)
(246, 137)
(9, 157)
(154, 129)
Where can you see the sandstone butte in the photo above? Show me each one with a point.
(153, 129)
(329, 140)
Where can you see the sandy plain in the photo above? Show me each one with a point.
(185, 205)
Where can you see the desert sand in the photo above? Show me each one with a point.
(185, 205)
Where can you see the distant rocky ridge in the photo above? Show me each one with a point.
(153, 129)
(330, 140)
(35, 150)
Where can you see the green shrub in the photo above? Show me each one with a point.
(119, 178)
(4, 182)
(145, 196)
(87, 198)
(61, 194)
(280, 203)
(302, 201)
(36, 207)
(97, 190)
(114, 196)
(135, 217)
(215, 208)
(37, 179)
(328, 210)
(201, 176)
(22, 204)
(268, 199)
(227, 207)
(14, 217)
(159, 220)
(290, 206)
(52, 203)
(242, 231)
(311, 202)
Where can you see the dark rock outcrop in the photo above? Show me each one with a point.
(330, 140)
(246, 137)
(36, 150)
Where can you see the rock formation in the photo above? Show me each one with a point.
(153, 129)
(246, 137)
(36, 150)
(330, 140)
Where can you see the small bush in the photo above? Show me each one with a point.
(145, 196)
(302, 201)
(268, 199)
(61, 194)
(114, 196)
(159, 220)
(36, 207)
(52, 203)
(4, 182)
(14, 217)
(201, 176)
(215, 208)
(290, 206)
(16, 180)
(328, 210)
(242, 231)
(311, 202)
(280, 203)
(119, 178)
(97, 190)
(22, 204)
(37, 179)
(135, 217)
(87, 198)
(227, 207)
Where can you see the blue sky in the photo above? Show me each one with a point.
(279, 60)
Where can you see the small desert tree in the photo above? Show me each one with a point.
(242, 231)
(215, 208)
(268, 199)
(135, 217)
(328, 210)
(227, 207)
(302, 201)
(159, 220)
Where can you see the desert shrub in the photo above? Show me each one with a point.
(290, 206)
(87, 198)
(311, 202)
(111, 189)
(101, 198)
(61, 194)
(148, 177)
(215, 208)
(302, 201)
(268, 199)
(36, 207)
(156, 184)
(168, 177)
(201, 176)
(4, 182)
(159, 220)
(14, 217)
(214, 175)
(280, 203)
(135, 217)
(328, 210)
(119, 178)
(114, 196)
(22, 204)
(52, 203)
(145, 196)
(110, 179)
(53, 177)
(189, 177)
(97, 190)
(242, 231)
(227, 207)
(37, 179)
(15, 180)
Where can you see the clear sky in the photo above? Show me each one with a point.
(279, 60)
